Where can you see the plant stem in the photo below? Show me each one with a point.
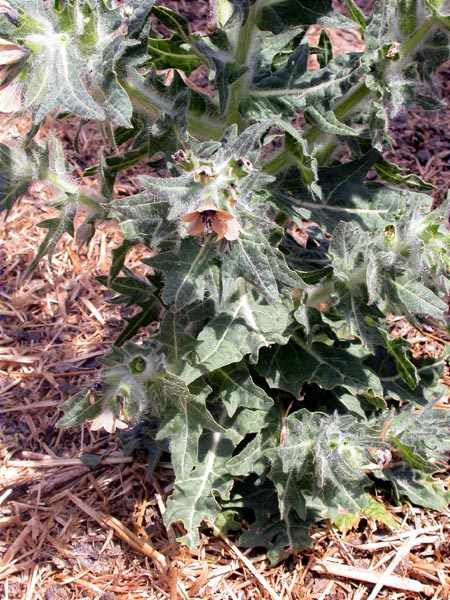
(325, 151)
(154, 106)
(343, 108)
(283, 159)
(312, 134)
(409, 45)
(244, 42)
(72, 189)
(142, 101)
(60, 183)
(280, 160)
(203, 127)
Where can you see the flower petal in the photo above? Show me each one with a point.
(219, 226)
(121, 424)
(105, 420)
(11, 97)
(188, 217)
(233, 230)
(11, 53)
(196, 227)
(9, 56)
(224, 215)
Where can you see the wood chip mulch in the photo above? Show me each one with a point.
(78, 517)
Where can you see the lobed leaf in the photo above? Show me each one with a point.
(244, 325)
(290, 366)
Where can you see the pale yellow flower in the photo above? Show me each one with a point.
(11, 53)
(203, 174)
(108, 421)
(8, 10)
(209, 219)
(11, 97)
(11, 88)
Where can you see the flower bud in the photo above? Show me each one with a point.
(241, 167)
(183, 160)
(203, 175)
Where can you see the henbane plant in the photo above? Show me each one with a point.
(272, 378)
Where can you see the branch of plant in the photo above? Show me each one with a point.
(72, 189)
(241, 58)
(283, 158)
(154, 106)
(205, 127)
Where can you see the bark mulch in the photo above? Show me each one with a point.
(79, 518)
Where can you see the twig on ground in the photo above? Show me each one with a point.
(122, 531)
(402, 552)
(32, 406)
(47, 463)
(404, 584)
(262, 580)
(375, 546)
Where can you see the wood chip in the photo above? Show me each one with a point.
(93, 310)
(401, 553)
(376, 546)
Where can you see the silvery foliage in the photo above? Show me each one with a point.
(272, 378)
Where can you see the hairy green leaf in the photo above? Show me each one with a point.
(246, 325)
(398, 349)
(72, 59)
(328, 455)
(190, 274)
(327, 122)
(290, 366)
(236, 388)
(18, 169)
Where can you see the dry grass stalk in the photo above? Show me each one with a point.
(33, 406)
(15, 568)
(122, 531)
(16, 546)
(47, 463)
(401, 553)
(359, 574)
(418, 541)
(250, 566)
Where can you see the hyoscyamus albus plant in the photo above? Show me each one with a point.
(272, 379)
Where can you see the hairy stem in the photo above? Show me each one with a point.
(343, 108)
(153, 105)
(70, 188)
(241, 56)
(414, 40)
(283, 159)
